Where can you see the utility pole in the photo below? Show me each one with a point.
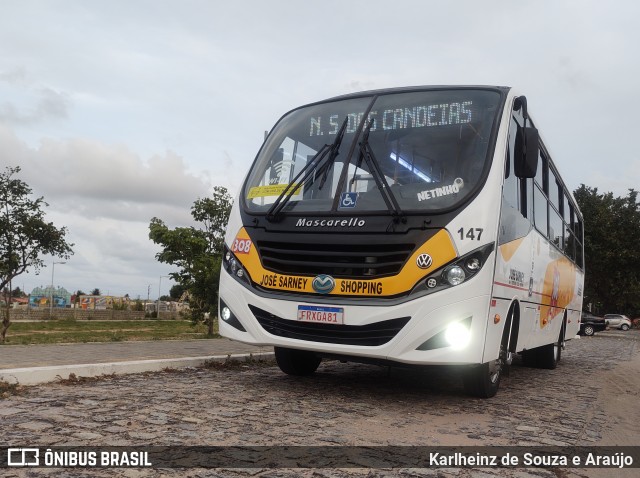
(159, 292)
(53, 267)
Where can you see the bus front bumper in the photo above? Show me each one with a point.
(428, 338)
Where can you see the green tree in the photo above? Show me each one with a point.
(177, 291)
(612, 255)
(25, 235)
(197, 252)
(95, 291)
(138, 306)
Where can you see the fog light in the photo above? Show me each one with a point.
(457, 335)
(225, 314)
(473, 264)
(454, 275)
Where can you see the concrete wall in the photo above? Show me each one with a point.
(80, 314)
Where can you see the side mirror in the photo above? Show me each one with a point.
(527, 150)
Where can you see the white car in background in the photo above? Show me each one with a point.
(618, 321)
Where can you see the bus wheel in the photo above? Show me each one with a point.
(296, 362)
(483, 380)
(530, 358)
(549, 355)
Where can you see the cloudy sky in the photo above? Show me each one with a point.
(122, 110)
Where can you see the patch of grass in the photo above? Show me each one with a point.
(56, 331)
(75, 380)
(9, 389)
(249, 362)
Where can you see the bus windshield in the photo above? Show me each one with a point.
(428, 148)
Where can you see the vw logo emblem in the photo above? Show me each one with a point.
(323, 284)
(424, 261)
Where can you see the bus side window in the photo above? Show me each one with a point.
(540, 211)
(540, 188)
(514, 222)
(510, 189)
(515, 189)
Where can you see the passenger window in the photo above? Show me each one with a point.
(556, 227)
(555, 191)
(579, 255)
(540, 211)
(510, 189)
(570, 245)
(541, 173)
(578, 229)
(567, 210)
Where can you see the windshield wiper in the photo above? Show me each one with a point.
(367, 154)
(335, 148)
(311, 168)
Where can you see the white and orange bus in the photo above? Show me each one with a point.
(422, 225)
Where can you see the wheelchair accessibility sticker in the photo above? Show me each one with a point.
(348, 200)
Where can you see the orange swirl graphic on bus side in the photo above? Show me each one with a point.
(558, 289)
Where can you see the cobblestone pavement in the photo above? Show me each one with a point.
(342, 404)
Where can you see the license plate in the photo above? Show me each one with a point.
(323, 315)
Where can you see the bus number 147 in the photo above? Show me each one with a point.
(472, 233)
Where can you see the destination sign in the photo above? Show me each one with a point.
(419, 116)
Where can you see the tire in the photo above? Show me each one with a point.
(483, 380)
(624, 327)
(530, 358)
(546, 356)
(588, 330)
(296, 362)
(549, 355)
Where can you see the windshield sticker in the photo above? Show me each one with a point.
(270, 190)
(454, 188)
(348, 200)
(444, 114)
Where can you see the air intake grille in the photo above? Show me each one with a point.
(366, 261)
(364, 335)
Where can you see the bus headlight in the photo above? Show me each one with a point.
(233, 266)
(454, 275)
(457, 335)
